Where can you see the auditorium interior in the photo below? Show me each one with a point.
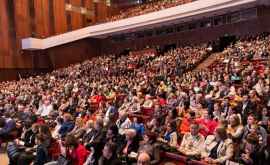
(134, 82)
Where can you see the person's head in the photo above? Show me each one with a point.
(112, 132)
(35, 128)
(172, 114)
(135, 120)
(251, 119)
(130, 134)
(40, 138)
(171, 127)
(98, 124)
(192, 115)
(67, 117)
(27, 124)
(253, 128)
(264, 111)
(217, 107)
(123, 116)
(79, 122)
(143, 159)
(45, 130)
(206, 115)
(150, 137)
(194, 128)
(234, 120)
(245, 98)
(71, 141)
(221, 134)
(109, 150)
(59, 120)
(252, 140)
(90, 124)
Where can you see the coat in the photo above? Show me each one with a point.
(123, 126)
(66, 127)
(79, 155)
(224, 150)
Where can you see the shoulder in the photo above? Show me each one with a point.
(209, 139)
(174, 133)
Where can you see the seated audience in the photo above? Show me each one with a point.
(109, 155)
(75, 151)
(170, 136)
(218, 148)
(192, 142)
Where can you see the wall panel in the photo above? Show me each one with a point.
(102, 11)
(42, 18)
(4, 32)
(76, 18)
(22, 21)
(60, 16)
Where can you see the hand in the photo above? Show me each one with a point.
(210, 160)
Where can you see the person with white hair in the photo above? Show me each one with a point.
(123, 122)
(143, 159)
(130, 145)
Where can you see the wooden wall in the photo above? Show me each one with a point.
(40, 19)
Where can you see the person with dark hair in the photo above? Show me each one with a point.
(109, 155)
(42, 155)
(250, 152)
(75, 151)
(170, 136)
(52, 144)
(251, 120)
(218, 148)
(245, 108)
(112, 135)
(29, 134)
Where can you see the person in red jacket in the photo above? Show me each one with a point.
(207, 124)
(76, 152)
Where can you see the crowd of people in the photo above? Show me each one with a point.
(130, 109)
(147, 8)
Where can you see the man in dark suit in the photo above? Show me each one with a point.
(245, 108)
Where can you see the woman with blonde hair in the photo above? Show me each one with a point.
(235, 128)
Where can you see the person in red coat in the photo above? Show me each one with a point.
(76, 152)
(207, 124)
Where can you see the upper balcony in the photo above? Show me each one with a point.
(186, 12)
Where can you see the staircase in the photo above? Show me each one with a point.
(206, 63)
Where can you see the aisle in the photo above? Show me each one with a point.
(207, 62)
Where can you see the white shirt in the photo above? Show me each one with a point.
(44, 110)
